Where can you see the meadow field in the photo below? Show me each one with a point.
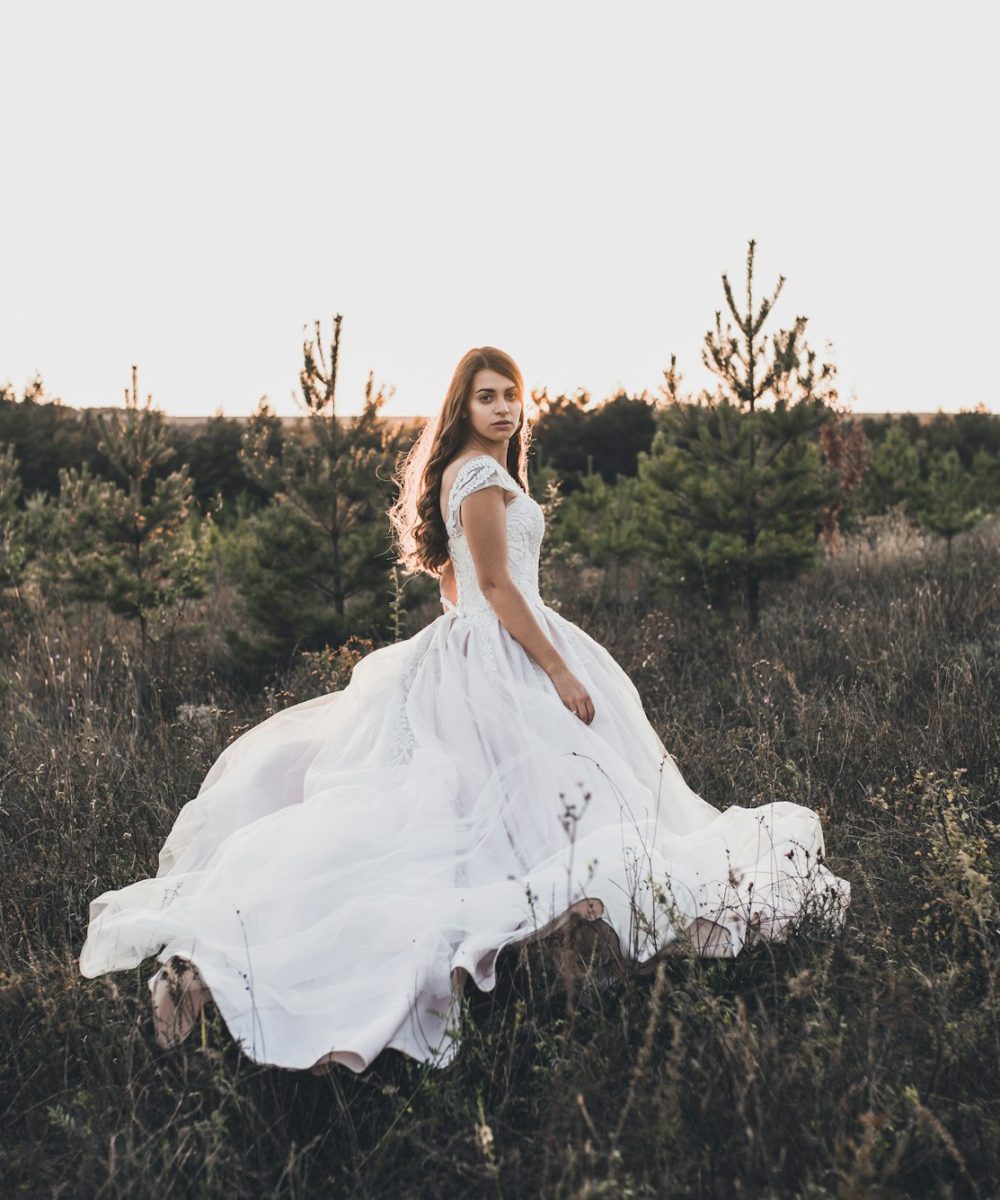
(855, 1065)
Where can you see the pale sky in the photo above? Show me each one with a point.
(190, 186)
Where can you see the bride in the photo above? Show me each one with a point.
(351, 861)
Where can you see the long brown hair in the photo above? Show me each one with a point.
(415, 518)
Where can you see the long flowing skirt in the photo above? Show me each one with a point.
(350, 859)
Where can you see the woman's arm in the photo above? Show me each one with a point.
(485, 525)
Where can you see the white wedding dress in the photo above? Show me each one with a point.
(349, 859)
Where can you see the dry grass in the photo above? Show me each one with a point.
(850, 1066)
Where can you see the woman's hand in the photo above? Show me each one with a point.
(573, 694)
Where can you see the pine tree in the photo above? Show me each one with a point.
(314, 568)
(212, 453)
(559, 434)
(603, 523)
(739, 488)
(986, 479)
(948, 499)
(137, 548)
(893, 475)
(576, 440)
(46, 435)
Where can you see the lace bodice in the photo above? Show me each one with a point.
(525, 527)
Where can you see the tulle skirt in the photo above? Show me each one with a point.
(351, 860)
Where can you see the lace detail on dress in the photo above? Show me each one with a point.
(525, 529)
(403, 740)
(474, 474)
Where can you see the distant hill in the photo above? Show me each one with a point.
(193, 422)
(924, 418)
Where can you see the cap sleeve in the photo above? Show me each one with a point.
(474, 474)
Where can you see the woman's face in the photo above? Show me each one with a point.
(494, 408)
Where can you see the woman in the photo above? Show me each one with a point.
(349, 862)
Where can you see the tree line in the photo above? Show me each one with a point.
(713, 496)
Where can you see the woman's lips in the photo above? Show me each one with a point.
(503, 423)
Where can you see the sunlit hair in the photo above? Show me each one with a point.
(416, 523)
